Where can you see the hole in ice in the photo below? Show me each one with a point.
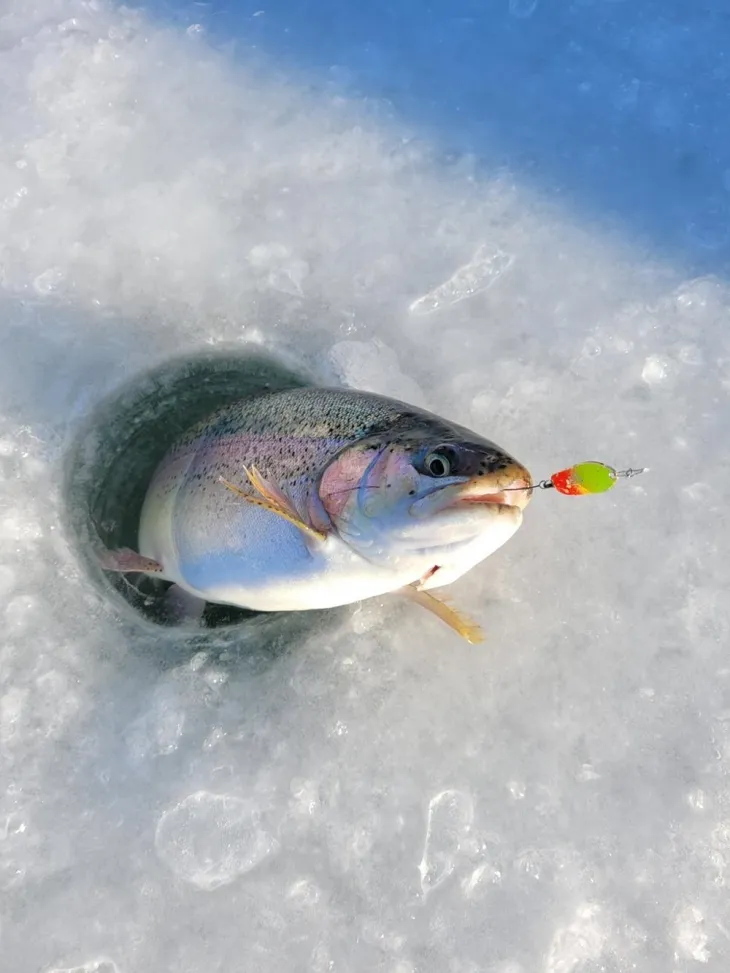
(111, 461)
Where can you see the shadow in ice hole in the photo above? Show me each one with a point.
(110, 463)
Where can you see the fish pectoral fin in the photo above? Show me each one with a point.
(125, 561)
(271, 498)
(458, 621)
(268, 490)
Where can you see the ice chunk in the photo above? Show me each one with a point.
(305, 893)
(655, 370)
(100, 965)
(483, 270)
(210, 839)
(450, 815)
(480, 880)
(697, 799)
(12, 704)
(578, 942)
(49, 280)
(692, 935)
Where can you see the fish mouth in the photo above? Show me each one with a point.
(514, 491)
(510, 491)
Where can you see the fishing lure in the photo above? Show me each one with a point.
(584, 478)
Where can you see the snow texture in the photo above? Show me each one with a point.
(360, 791)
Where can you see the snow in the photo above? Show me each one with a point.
(359, 790)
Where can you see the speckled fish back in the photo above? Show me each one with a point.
(286, 435)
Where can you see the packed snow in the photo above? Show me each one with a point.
(353, 791)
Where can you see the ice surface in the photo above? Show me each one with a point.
(363, 793)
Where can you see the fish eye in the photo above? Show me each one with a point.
(439, 463)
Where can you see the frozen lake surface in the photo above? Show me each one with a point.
(528, 236)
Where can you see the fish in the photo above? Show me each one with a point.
(316, 498)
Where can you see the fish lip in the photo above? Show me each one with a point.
(496, 503)
(515, 493)
(495, 499)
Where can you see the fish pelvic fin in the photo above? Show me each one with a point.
(455, 619)
(270, 497)
(126, 561)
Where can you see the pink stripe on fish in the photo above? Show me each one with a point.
(341, 480)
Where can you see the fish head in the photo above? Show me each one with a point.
(426, 498)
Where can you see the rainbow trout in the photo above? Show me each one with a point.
(314, 498)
